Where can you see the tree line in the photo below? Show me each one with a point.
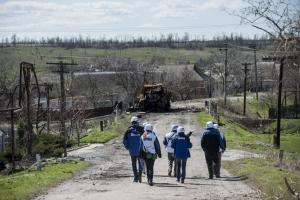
(164, 41)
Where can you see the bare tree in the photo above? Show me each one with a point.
(280, 19)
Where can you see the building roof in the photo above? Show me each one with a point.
(178, 70)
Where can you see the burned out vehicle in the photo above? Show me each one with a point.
(154, 98)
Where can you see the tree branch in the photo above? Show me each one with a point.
(271, 34)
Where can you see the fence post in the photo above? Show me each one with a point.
(101, 125)
(38, 162)
(280, 157)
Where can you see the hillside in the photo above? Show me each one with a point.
(41, 55)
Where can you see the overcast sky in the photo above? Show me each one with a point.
(115, 18)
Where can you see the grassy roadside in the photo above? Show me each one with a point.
(262, 173)
(239, 137)
(97, 136)
(23, 185)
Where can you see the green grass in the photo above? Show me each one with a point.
(96, 136)
(253, 108)
(264, 175)
(41, 55)
(239, 137)
(23, 185)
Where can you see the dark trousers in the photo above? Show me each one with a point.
(181, 168)
(135, 160)
(171, 160)
(217, 168)
(149, 167)
(212, 161)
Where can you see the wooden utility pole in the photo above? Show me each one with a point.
(12, 120)
(27, 80)
(61, 72)
(245, 85)
(276, 141)
(48, 89)
(255, 68)
(225, 71)
(210, 85)
(279, 108)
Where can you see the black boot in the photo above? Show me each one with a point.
(150, 182)
(140, 177)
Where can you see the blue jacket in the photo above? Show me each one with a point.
(132, 140)
(211, 141)
(181, 145)
(223, 140)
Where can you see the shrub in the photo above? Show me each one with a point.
(48, 144)
(6, 156)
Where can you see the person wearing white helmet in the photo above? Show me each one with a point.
(211, 143)
(181, 145)
(132, 142)
(168, 142)
(216, 171)
(150, 151)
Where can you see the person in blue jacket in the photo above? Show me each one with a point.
(211, 144)
(132, 142)
(181, 145)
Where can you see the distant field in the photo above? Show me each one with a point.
(41, 55)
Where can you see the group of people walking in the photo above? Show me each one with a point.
(144, 148)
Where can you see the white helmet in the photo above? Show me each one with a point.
(180, 129)
(134, 119)
(216, 126)
(174, 127)
(209, 124)
(149, 127)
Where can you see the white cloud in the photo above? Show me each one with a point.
(45, 14)
(183, 8)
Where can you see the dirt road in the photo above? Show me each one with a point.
(111, 178)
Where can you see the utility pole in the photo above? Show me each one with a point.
(281, 59)
(13, 149)
(48, 89)
(61, 72)
(255, 68)
(210, 85)
(245, 84)
(27, 83)
(225, 71)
